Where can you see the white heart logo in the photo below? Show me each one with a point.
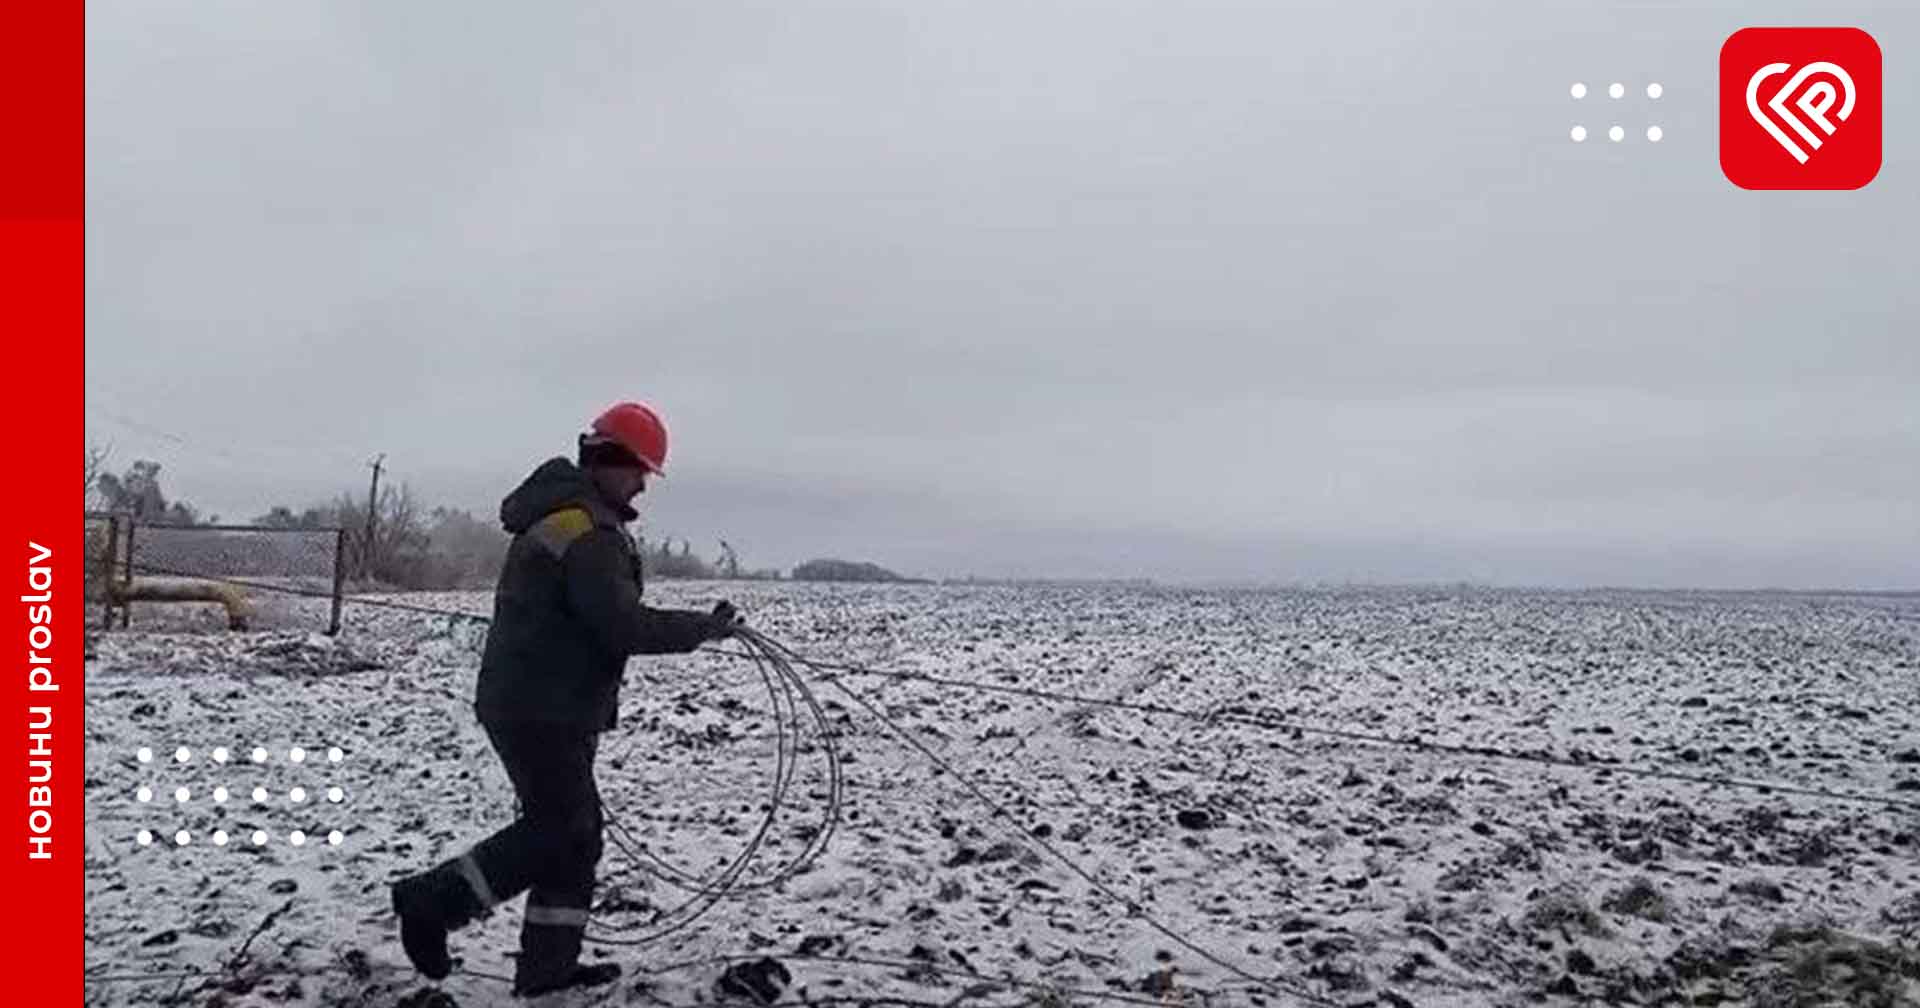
(1814, 103)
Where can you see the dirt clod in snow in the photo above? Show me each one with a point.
(761, 981)
(1639, 898)
(428, 997)
(1765, 890)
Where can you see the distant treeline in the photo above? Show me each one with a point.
(1053, 582)
(844, 570)
(406, 545)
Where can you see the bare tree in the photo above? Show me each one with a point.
(138, 492)
(100, 543)
(96, 464)
(664, 562)
(397, 551)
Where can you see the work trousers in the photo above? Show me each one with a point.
(553, 848)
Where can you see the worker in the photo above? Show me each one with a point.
(566, 615)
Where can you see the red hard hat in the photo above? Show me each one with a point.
(637, 428)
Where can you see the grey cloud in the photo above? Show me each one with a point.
(1214, 290)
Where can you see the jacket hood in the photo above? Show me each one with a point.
(557, 483)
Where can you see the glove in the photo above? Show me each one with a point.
(724, 621)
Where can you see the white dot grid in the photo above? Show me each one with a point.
(221, 837)
(1616, 90)
(220, 754)
(259, 754)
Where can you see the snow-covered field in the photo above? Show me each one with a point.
(1360, 874)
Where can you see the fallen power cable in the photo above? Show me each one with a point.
(786, 691)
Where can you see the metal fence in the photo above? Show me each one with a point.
(106, 564)
(290, 577)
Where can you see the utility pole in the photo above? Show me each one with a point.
(373, 502)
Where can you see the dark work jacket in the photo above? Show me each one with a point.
(567, 611)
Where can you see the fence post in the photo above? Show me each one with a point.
(339, 576)
(109, 570)
(126, 605)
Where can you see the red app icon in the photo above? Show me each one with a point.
(1800, 108)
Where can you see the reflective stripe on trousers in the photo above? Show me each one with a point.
(476, 880)
(556, 916)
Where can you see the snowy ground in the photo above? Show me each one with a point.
(1360, 874)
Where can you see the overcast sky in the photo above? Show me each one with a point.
(1281, 291)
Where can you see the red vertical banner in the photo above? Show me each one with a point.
(42, 293)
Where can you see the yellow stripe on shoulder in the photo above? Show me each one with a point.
(558, 530)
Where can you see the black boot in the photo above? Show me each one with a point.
(550, 961)
(582, 975)
(429, 905)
